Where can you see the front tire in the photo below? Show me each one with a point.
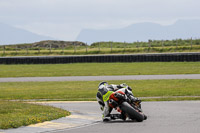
(131, 112)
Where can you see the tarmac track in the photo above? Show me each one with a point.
(100, 78)
(163, 117)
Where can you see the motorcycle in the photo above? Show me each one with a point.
(126, 107)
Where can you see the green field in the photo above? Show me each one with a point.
(16, 114)
(100, 69)
(86, 90)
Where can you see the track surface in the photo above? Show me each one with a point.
(163, 117)
(96, 78)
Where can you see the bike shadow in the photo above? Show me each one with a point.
(121, 121)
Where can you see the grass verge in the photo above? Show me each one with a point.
(16, 114)
(172, 98)
(86, 90)
(96, 69)
(132, 49)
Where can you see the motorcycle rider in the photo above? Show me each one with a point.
(105, 90)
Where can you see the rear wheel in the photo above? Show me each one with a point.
(131, 112)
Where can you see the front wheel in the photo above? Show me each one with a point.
(131, 112)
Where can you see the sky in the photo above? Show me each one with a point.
(64, 19)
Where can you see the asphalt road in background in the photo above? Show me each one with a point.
(100, 78)
(163, 117)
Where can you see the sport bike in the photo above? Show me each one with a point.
(127, 107)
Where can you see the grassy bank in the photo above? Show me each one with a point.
(79, 48)
(86, 90)
(96, 69)
(16, 114)
(94, 51)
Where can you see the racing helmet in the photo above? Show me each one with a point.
(103, 83)
(102, 88)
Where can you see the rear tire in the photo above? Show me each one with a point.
(131, 112)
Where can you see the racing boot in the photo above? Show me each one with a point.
(106, 118)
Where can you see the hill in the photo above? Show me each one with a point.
(46, 44)
(12, 35)
(143, 32)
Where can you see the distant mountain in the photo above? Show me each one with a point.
(12, 35)
(143, 32)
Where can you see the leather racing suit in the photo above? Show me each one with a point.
(104, 91)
